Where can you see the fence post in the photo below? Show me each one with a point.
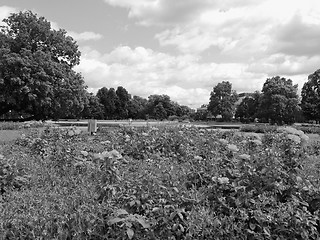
(92, 126)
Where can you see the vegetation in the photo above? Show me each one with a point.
(279, 101)
(310, 102)
(36, 74)
(248, 109)
(159, 183)
(222, 100)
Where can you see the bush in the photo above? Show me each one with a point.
(160, 183)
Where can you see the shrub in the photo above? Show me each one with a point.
(161, 183)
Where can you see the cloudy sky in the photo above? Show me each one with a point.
(183, 48)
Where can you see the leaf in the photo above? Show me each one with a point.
(130, 233)
(143, 223)
(121, 212)
(252, 226)
(172, 215)
(267, 231)
(180, 216)
(115, 220)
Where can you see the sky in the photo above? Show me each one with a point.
(183, 48)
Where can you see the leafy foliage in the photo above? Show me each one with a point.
(36, 64)
(310, 97)
(161, 183)
(222, 100)
(248, 108)
(279, 101)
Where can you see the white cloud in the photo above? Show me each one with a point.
(85, 36)
(82, 36)
(144, 72)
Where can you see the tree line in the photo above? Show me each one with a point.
(119, 104)
(37, 78)
(277, 103)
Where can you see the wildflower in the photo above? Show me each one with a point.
(223, 141)
(223, 180)
(84, 153)
(232, 147)
(253, 136)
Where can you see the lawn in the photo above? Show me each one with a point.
(165, 182)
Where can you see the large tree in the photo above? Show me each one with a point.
(248, 108)
(222, 100)
(279, 101)
(310, 97)
(36, 68)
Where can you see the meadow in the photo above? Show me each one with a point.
(166, 182)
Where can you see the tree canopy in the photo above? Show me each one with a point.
(248, 108)
(36, 74)
(222, 100)
(279, 101)
(310, 97)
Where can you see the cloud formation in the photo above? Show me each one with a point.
(144, 72)
(85, 36)
(243, 42)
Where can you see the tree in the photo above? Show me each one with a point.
(123, 101)
(166, 105)
(137, 107)
(279, 101)
(248, 108)
(102, 96)
(92, 107)
(159, 112)
(36, 68)
(109, 100)
(310, 97)
(222, 100)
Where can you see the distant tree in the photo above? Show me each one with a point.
(109, 99)
(222, 100)
(93, 108)
(159, 112)
(102, 96)
(310, 94)
(36, 68)
(166, 104)
(122, 103)
(137, 107)
(248, 108)
(279, 101)
(201, 113)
